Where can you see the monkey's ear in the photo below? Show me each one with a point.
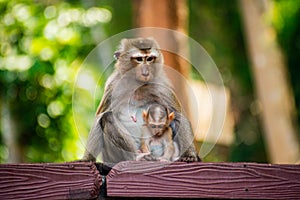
(171, 116)
(117, 55)
(145, 115)
(123, 43)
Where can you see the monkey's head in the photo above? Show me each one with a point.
(157, 119)
(140, 56)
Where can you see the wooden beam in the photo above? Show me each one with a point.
(204, 180)
(49, 181)
(150, 179)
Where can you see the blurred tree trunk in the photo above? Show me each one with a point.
(9, 133)
(271, 82)
(172, 15)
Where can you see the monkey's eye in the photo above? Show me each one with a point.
(138, 59)
(153, 126)
(160, 126)
(157, 126)
(150, 59)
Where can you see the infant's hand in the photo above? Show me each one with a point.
(140, 156)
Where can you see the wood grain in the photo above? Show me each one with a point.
(49, 181)
(204, 180)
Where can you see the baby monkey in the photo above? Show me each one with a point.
(156, 140)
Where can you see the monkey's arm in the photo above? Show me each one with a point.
(144, 151)
(95, 139)
(106, 98)
(185, 139)
(145, 140)
(105, 102)
(144, 146)
(183, 133)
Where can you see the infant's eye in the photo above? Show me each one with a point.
(160, 126)
(153, 126)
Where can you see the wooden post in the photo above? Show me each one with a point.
(49, 181)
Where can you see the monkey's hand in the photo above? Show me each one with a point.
(150, 158)
(189, 156)
(141, 156)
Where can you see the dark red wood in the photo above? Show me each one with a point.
(204, 180)
(49, 181)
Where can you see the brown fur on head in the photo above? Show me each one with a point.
(157, 118)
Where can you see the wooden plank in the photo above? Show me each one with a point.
(49, 181)
(204, 180)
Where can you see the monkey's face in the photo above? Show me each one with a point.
(157, 129)
(140, 57)
(157, 118)
(157, 123)
(144, 65)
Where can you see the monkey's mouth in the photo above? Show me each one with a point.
(145, 79)
(157, 134)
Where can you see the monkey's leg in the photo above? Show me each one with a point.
(168, 144)
(146, 153)
(94, 143)
(118, 144)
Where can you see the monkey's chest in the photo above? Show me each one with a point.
(156, 148)
(131, 119)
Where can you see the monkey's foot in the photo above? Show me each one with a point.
(149, 158)
(87, 158)
(189, 157)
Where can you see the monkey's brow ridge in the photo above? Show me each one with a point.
(139, 54)
(145, 48)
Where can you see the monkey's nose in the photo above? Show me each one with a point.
(145, 71)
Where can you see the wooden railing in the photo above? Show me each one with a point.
(148, 180)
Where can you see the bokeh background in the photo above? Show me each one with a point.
(255, 45)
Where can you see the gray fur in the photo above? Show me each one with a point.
(111, 135)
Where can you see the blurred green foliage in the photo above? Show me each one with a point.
(44, 43)
(42, 47)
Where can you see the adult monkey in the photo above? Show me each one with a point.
(137, 82)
